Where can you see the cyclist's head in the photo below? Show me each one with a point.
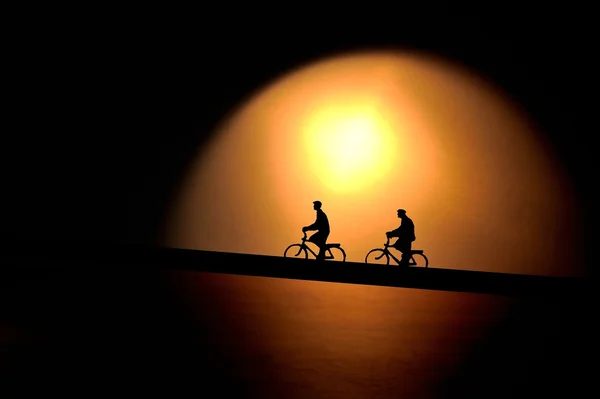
(317, 204)
(401, 212)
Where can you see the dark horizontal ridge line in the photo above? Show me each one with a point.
(48, 258)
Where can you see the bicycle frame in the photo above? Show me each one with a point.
(386, 249)
(303, 248)
(328, 254)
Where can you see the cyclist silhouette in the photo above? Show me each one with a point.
(405, 234)
(321, 224)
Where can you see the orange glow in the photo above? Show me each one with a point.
(370, 133)
(349, 150)
(383, 332)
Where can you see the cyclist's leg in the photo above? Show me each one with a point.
(405, 248)
(321, 254)
(321, 241)
(314, 238)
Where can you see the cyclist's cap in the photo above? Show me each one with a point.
(401, 211)
(317, 203)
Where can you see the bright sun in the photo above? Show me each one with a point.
(349, 148)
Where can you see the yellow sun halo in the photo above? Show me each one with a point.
(349, 148)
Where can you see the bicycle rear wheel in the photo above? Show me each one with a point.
(295, 251)
(377, 256)
(338, 254)
(420, 260)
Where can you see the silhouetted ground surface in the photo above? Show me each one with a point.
(81, 321)
(24, 259)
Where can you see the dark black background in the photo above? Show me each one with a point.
(105, 108)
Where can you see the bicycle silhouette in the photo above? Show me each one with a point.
(332, 251)
(382, 256)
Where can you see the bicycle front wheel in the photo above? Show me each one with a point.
(337, 254)
(377, 256)
(420, 260)
(295, 251)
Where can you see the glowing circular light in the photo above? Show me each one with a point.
(369, 133)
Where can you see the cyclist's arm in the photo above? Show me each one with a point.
(311, 227)
(394, 233)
